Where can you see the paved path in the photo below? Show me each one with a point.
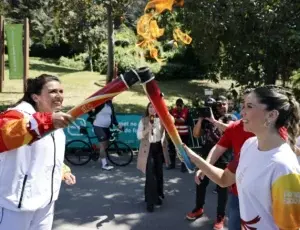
(114, 201)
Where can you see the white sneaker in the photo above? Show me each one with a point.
(107, 167)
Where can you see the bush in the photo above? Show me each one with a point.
(126, 34)
(73, 63)
(129, 57)
(172, 71)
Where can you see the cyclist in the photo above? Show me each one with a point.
(105, 118)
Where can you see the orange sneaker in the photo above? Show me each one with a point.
(195, 214)
(219, 223)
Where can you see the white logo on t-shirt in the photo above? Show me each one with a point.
(291, 197)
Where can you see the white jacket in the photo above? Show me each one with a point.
(30, 176)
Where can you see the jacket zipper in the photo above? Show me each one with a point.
(52, 135)
(22, 191)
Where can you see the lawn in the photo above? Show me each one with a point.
(81, 84)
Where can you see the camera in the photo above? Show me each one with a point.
(204, 111)
(208, 108)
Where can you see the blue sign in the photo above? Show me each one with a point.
(130, 123)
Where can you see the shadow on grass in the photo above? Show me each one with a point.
(50, 68)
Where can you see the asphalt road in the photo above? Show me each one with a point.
(115, 201)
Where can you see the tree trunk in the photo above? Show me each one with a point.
(271, 74)
(90, 51)
(110, 30)
(271, 78)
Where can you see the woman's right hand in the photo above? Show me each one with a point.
(61, 120)
(199, 176)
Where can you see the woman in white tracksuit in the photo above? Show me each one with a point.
(31, 175)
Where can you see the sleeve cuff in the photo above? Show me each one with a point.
(232, 166)
(41, 123)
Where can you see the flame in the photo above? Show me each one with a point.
(149, 30)
(179, 35)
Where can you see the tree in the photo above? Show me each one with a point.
(115, 10)
(40, 15)
(254, 42)
(81, 23)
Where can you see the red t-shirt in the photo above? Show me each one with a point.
(234, 138)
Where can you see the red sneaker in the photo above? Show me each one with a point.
(195, 214)
(219, 223)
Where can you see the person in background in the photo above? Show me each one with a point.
(105, 118)
(31, 174)
(210, 135)
(151, 133)
(267, 172)
(232, 107)
(233, 138)
(181, 115)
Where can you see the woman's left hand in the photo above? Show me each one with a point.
(193, 156)
(69, 178)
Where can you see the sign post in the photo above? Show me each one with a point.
(2, 51)
(26, 53)
(14, 38)
(17, 37)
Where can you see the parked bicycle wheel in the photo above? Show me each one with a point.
(78, 152)
(119, 153)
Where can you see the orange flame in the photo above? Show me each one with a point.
(149, 30)
(179, 35)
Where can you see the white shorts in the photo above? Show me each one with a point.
(40, 219)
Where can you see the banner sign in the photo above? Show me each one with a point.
(14, 38)
(128, 121)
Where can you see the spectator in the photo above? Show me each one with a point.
(233, 138)
(210, 135)
(150, 158)
(181, 115)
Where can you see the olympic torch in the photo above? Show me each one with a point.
(156, 97)
(108, 92)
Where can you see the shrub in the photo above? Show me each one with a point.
(71, 63)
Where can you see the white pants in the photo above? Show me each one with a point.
(41, 219)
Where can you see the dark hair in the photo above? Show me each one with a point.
(247, 91)
(35, 86)
(282, 100)
(222, 98)
(179, 101)
(230, 97)
(147, 110)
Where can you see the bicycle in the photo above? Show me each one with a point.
(79, 152)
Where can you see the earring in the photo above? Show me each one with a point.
(267, 123)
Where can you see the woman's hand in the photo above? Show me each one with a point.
(212, 117)
(61, 120)
(199, 176)
(193, 156)
(69, 178)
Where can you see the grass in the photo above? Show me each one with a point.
(79, 85)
